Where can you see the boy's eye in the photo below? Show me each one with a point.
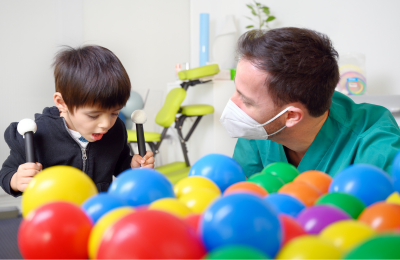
(93, 117)
(115, 114)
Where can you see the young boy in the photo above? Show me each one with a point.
(83, 129)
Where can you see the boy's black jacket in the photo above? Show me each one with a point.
(53, 145)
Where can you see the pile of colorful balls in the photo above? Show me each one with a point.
(214, 213)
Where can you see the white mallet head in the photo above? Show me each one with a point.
(26, 125)
(139, 117)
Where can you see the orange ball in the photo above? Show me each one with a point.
(302, 191)
(382, 216)
(318, 179)
(247, 187)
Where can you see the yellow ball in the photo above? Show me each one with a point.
(394, 198)
(347, 234)
(309, 247)
(172, 206)
(102, 225)
(57, 183)
(189, 184)
(198, 200)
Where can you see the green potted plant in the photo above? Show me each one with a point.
(261, 14)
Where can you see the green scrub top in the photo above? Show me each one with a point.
(352, 133)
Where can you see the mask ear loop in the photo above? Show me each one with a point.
(278, 115)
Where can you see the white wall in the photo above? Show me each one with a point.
(149, 37)
(365, 26)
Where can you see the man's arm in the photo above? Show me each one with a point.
(379, 147)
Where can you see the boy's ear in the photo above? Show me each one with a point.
(59, 101)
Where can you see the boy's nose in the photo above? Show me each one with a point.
(105, 124)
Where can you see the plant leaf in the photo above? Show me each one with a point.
(266, 10)
(249, 26)
(252, 10)
(258, 4)
(271, 18)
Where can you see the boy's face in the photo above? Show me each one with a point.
(91, 122)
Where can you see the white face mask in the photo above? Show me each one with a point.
(240, 125)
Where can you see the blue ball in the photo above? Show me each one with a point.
(221, 169)
(241, 219)
(98, 205)
(396, 172)
(141, 186)
(366, 182)
(283, 203)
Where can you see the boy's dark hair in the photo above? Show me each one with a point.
(301, 65)
(91, 76)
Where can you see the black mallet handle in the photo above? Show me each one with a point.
(30, 155)
(140, 139)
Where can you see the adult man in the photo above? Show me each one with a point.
(285, 92)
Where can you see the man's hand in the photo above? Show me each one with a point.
(24, 175)
(147, 161)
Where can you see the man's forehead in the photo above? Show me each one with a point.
(249, 80)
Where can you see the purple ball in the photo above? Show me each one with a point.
(314, 219)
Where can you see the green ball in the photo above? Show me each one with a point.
(347, 202)
(267, 181)
(379, 247)
(285, 171)
(236, 252)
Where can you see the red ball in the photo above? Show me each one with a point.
(57, 230)
(150, 234)
(193, 220)
(290, 228)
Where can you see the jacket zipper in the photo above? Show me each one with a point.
(84, 157)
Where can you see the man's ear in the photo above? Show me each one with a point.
(294, 116)
(59, 101)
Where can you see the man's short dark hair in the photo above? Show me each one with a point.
(301, 65)
(91, 76)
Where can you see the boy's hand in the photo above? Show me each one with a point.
(24, 175)
(147, 161)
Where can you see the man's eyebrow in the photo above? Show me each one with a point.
(246, 99)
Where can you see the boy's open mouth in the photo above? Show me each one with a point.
(97, 137)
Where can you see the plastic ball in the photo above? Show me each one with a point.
(302, 191)
(367, 182)
(172, 206)
(246, 187)
(381, 216)
(193, 220)
(285, 171)
(189, 184)
(318, 179)
(100, 204)
(101, 227)
(378, 247)
(290, 228)
(396, 172)
(347, 234)
(394, 198)
(241, 219)
(285, 204)
(57, 183)
(141, 186)
(309, 247)
(236, 252)
(268, 181)
(221, 169)
(316, 218)
(150, 234)
(57, 230)
(346, 202)
(198, 200)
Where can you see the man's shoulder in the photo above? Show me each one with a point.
(360, 118)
